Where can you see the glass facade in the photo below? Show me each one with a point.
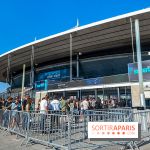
(17, 81)
(56, 75)
(90, 68)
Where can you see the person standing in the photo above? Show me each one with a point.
(1, 112)
(7, 105)
(71, 104)
(14, 113)
(38, 107)
(55, 107)
(26, 103)
(43, 112)
(44, 105)
(84, 107)
(63, 105)
(1, 104)
(98, 104)
(7, 108)
(76, 110)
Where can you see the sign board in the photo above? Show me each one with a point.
(53, 75)
(90, 82)
(41, 85)
(133, 71)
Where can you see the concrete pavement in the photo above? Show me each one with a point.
(11, 142)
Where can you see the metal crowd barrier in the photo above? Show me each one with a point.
(119, 110)
(143, 118)
(4, 119)
(50, 129)
(19, 122)
(69, 131)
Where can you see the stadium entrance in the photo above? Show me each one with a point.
(110, 95)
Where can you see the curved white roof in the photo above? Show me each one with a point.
(105, 34)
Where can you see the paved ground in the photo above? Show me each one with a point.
(11, 142)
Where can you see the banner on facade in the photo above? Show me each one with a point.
(133, 71)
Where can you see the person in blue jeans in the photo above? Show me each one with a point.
(14, 113)
(25, 104)
(55, 105)
(43, 112)
(7, 108)
(76, 110)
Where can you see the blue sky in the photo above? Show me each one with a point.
(23, 20)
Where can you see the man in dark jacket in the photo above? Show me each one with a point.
(98, 104)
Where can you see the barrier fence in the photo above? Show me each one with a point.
(70, 131)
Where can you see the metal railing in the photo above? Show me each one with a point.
(68, 131)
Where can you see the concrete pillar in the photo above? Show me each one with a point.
(135, 91)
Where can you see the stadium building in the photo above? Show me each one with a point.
(98, 60)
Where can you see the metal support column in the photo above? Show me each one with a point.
(23, 81)
(118, 94)
(139, 61)
(132, 39)
(103, 94)
(80, 94)
(70, 56)
(64, 94)
(77, 66)
(32, 94)
(125, 92)
(140, 73)
(9, 73)
(32, 68)
(77, 75)
(8, 70)
(95, 94)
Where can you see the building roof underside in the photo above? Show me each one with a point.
(106, 34)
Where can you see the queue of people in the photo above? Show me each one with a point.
(59, 104)
(14, 105)
(17, 104)
(54, 106)
(73, 105)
